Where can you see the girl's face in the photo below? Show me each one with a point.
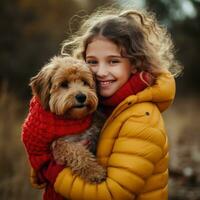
(111, 69)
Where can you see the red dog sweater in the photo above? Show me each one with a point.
(42, 127)
(39, 130)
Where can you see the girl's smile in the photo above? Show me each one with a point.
(104, 84)
(111, 69)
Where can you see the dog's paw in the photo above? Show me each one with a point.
(96, 175)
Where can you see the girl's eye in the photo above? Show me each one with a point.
(64, 84)
(92, 62)
(114, 61)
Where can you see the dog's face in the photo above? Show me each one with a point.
(66, 87)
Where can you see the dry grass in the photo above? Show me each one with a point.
(182, 122)
(14, 173)
(183, 125)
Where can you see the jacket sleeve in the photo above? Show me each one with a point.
(130, 158)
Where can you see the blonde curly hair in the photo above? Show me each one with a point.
(139, 36)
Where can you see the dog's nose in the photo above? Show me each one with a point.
(81, 97)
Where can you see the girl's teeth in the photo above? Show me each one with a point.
(103, 83)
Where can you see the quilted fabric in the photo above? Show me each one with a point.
(133, 146)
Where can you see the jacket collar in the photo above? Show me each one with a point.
(161, 93)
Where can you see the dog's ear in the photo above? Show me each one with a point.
(41, 84)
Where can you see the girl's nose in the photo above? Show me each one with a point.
(102, 70)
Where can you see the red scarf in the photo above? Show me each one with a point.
(136, 83)
(41, 127)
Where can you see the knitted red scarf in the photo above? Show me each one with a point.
(41, 127)
(136, 83)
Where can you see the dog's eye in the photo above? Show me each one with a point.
(64, 84)
(85, 83)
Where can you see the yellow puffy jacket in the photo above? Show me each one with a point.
(133, 146)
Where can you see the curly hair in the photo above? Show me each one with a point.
(137, 33)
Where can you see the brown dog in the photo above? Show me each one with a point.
(66, 87)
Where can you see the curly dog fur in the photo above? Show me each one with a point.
(66, 87)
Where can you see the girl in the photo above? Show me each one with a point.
(133, 146)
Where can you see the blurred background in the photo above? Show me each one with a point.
(32, 32)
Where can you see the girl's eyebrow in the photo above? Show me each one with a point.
(90, 56)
